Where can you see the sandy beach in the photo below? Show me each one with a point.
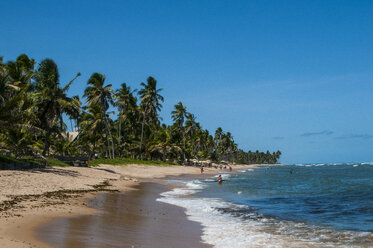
(31, 198)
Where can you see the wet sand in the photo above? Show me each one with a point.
(130, 219)
(31, 198)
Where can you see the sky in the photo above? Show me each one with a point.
(294, 76)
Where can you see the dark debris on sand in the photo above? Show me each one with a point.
(48, 199)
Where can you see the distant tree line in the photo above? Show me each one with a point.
(34, 106)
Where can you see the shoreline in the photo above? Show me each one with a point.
(126, 219)
(35, 210)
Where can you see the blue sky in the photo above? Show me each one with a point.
(289, 75)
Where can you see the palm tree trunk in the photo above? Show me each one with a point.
(109, 133)
(46, 143)
(142, 133)
(142, 136)
(71, 124)
(112, 142)
(119, 135)
(184, 144)
(108, 145)
(94, 147)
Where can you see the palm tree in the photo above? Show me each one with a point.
(126, 104)
(15, 82)
(218, 142)
(74, 112)
(227, 144)
(51, 101)
(91, 122)
(191, 129)
(4, 83)
(102, 95)
(150, 105)
(162, 144)
(20, 71)
(178, 116)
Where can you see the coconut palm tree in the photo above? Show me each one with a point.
(218, 145)
(178, 116)
(150, 105)
(4, 83)
(15, 82)
(51, 101)
(126, 103)
(97, 93)
(162, 144)
(227, 145)
(192, 127)
(20, 71)
(92, 121)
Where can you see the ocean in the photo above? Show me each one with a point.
(301, 205)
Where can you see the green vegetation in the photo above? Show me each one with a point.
(125, 161)
(32, 161)
(56, 162)
(8, 159)
(34, 107)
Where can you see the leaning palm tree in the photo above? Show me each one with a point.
(150, 105)
(51, 101)
(178, 116)
(97, 93)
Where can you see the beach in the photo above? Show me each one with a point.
(32, 198)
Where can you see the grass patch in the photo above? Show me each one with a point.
(8, 159)
(124, 161)
(38, 162)
(34, 162)
(56, 162)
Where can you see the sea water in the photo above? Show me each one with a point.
(303, 205)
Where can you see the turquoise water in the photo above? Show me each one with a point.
(304, 205)
(335, 195)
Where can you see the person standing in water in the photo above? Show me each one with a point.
(220, 179)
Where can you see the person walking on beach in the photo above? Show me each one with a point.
(201, 169)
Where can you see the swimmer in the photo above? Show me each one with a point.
(220, 179)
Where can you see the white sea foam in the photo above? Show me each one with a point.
(312, 165)
(223, 228)
(367, 163)
(337, 164)
(224, 176)
(220, 230)
(305, 165)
